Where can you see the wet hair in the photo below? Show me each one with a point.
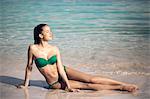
(38, 30)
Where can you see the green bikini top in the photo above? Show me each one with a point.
(41, 62)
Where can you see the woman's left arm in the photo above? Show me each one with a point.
(62, 72)
(61, 68)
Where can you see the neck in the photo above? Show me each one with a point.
(43, 43)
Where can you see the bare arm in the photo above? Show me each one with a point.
(62, 72)
(61, 68)
(28, 68)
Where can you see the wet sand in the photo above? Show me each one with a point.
(10, 77)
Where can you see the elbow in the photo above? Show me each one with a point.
(28, 71)
(29, 68)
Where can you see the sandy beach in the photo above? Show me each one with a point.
(38, 89)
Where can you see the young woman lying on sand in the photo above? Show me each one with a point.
(48, 61)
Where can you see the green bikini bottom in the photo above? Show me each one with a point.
(59, 80)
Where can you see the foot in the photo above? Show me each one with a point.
(129, 88)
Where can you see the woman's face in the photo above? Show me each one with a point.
(47, 33)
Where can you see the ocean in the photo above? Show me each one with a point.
(97, 36)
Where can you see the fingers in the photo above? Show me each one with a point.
(73, 90)
(21, 86)
(76, 90)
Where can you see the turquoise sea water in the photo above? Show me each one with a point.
(100, 35)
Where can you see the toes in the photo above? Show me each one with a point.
(129, 88)
(133, 87)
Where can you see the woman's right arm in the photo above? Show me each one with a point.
(28, 68)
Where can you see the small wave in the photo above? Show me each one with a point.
(125, 73)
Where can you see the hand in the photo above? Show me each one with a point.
(22, 86)
(72, 90)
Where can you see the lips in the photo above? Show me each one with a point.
(50, 36)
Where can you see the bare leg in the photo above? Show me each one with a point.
(81, 85)
(80, 76)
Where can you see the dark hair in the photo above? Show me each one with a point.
(38, 30)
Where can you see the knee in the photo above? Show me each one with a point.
(94, 80)
(89, 85)
(94, 86)
(86, 86)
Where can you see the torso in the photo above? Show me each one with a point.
(50, 72)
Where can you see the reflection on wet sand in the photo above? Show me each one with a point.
(88, 94)
(26, 93)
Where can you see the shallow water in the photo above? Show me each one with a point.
(95, 35)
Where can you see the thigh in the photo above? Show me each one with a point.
(73, 84)
(78, 75)
(59, 85)
(78, 85)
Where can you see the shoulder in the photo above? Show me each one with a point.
(56, 49)
(32, 47)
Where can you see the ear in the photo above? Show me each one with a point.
(40, 35)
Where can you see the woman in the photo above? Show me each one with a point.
(48, 60)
